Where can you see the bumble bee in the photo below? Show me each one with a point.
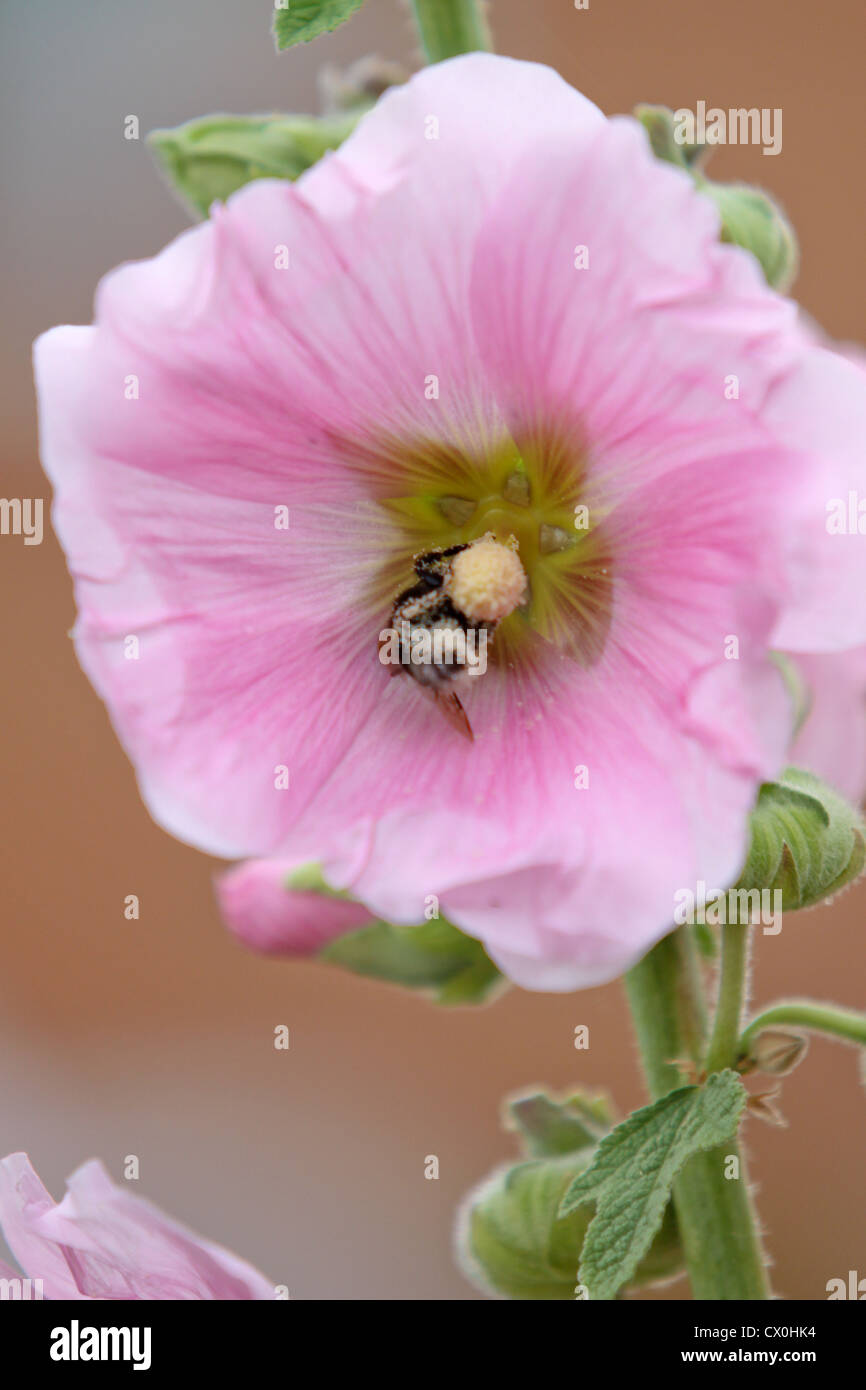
(459, 598)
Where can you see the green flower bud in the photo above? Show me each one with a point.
(359, 85)
(776, 1052)
(548, 1127)
(750, 218)
(511, 1243)
(207, 160)
(659, 124)
(806, 841)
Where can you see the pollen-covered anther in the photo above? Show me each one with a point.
(487, 580)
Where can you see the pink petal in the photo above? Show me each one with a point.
(643, 337)
(102, 1242)
(24, 1203)
(821, 410)
(832, 739)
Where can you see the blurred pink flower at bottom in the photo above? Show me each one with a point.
(101, 1242)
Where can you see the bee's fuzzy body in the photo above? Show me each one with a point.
(428, 605)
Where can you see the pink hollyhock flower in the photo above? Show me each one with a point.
(490, 311)
(101, 1242)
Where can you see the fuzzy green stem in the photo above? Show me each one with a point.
(449, 27)
(667, 1005)
(718, 1228)
(845, 1024)
(723, 1048)
(714, 1212)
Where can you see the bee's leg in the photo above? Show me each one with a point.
(432, 565)
(450, 705)
(428, 569)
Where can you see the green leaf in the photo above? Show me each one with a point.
(631, 1176)
(665, 1258)
(806, 841)
(298, 21)
(433, 956)
(512, 1242)
(548, 1127)
(207, 160)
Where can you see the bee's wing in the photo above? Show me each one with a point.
(450, 705)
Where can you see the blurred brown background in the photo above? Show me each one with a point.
(155, 1037)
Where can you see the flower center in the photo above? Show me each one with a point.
(541, 562)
